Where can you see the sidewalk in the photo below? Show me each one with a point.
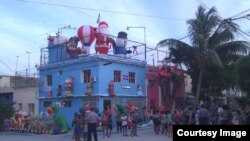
(145, 134)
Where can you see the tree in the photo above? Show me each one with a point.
(6, 111)
(212, 44)
(244, 75)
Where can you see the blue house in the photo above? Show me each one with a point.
(97, 80)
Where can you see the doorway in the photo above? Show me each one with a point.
(106, 104)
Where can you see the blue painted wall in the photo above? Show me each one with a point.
(101, 66)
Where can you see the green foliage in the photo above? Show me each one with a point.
(55, 107)
(244, 74)
(243, 101)
(217, 79)
(212, 49)
(6, 111)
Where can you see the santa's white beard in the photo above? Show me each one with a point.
(103, 30)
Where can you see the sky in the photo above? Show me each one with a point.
(26, 24)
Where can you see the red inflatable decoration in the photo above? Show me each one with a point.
(102, 40)
(111, 88)
(86, 35)
(50, 110)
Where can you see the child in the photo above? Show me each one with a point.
(7, 125)
(84, 128)
(124, 119)
(110, 127)
(169, 123)
(77, 128)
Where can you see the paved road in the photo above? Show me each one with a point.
(144, 135)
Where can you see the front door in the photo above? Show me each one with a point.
(106, 104)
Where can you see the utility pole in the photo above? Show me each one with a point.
(153, 57)
(16, 64)
(28, 69)
(143, 27)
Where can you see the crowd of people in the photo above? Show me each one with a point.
(163, 120)
(214, 114)
(87, 124)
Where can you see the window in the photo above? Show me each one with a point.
(90, 101)
(131, 77)
(49, 80)
(60, 73)
(20, 106)
(47, 103)
(117, 76)
(87, 76)
(31, 108)
(67, 103)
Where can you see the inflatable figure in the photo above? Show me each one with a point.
(121, 43)
(86, 35)
(58, 39)
(69, 86)
(17, 122)
(102, 39)
(60, 124)
(72, 49)
(111, 88)
(49, 91)
(89, 90)
(139, 90)
(121, 109)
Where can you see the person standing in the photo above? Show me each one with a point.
(84, 127)
(169, 120)
(124, 119)
(118, 122)
(74, 124)
(104, 123)
(92, 123)
(110, 126)
(7, 126)
(78, 128)
(203, 116)
(135, 121)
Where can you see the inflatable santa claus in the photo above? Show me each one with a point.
(102, 39)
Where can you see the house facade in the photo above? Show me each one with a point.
(97, 80)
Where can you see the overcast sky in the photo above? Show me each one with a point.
(25, 24)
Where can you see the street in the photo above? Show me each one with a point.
(144, 135)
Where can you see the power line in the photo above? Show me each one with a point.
(102, 10)
(6, 66)
(244, 34)
(239, 14)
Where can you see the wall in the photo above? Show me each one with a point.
(4, 81)
(26, 96)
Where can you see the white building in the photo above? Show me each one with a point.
(26, 100)
(21, 90)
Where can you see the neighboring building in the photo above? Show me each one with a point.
(154, 96)
(21, 90)
(4, 81)
(26, 100)
(153, 89)
(97, 80)
(6, 92)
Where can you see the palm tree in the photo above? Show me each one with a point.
(212, 42)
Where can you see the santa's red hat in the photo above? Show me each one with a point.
(103, 24)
